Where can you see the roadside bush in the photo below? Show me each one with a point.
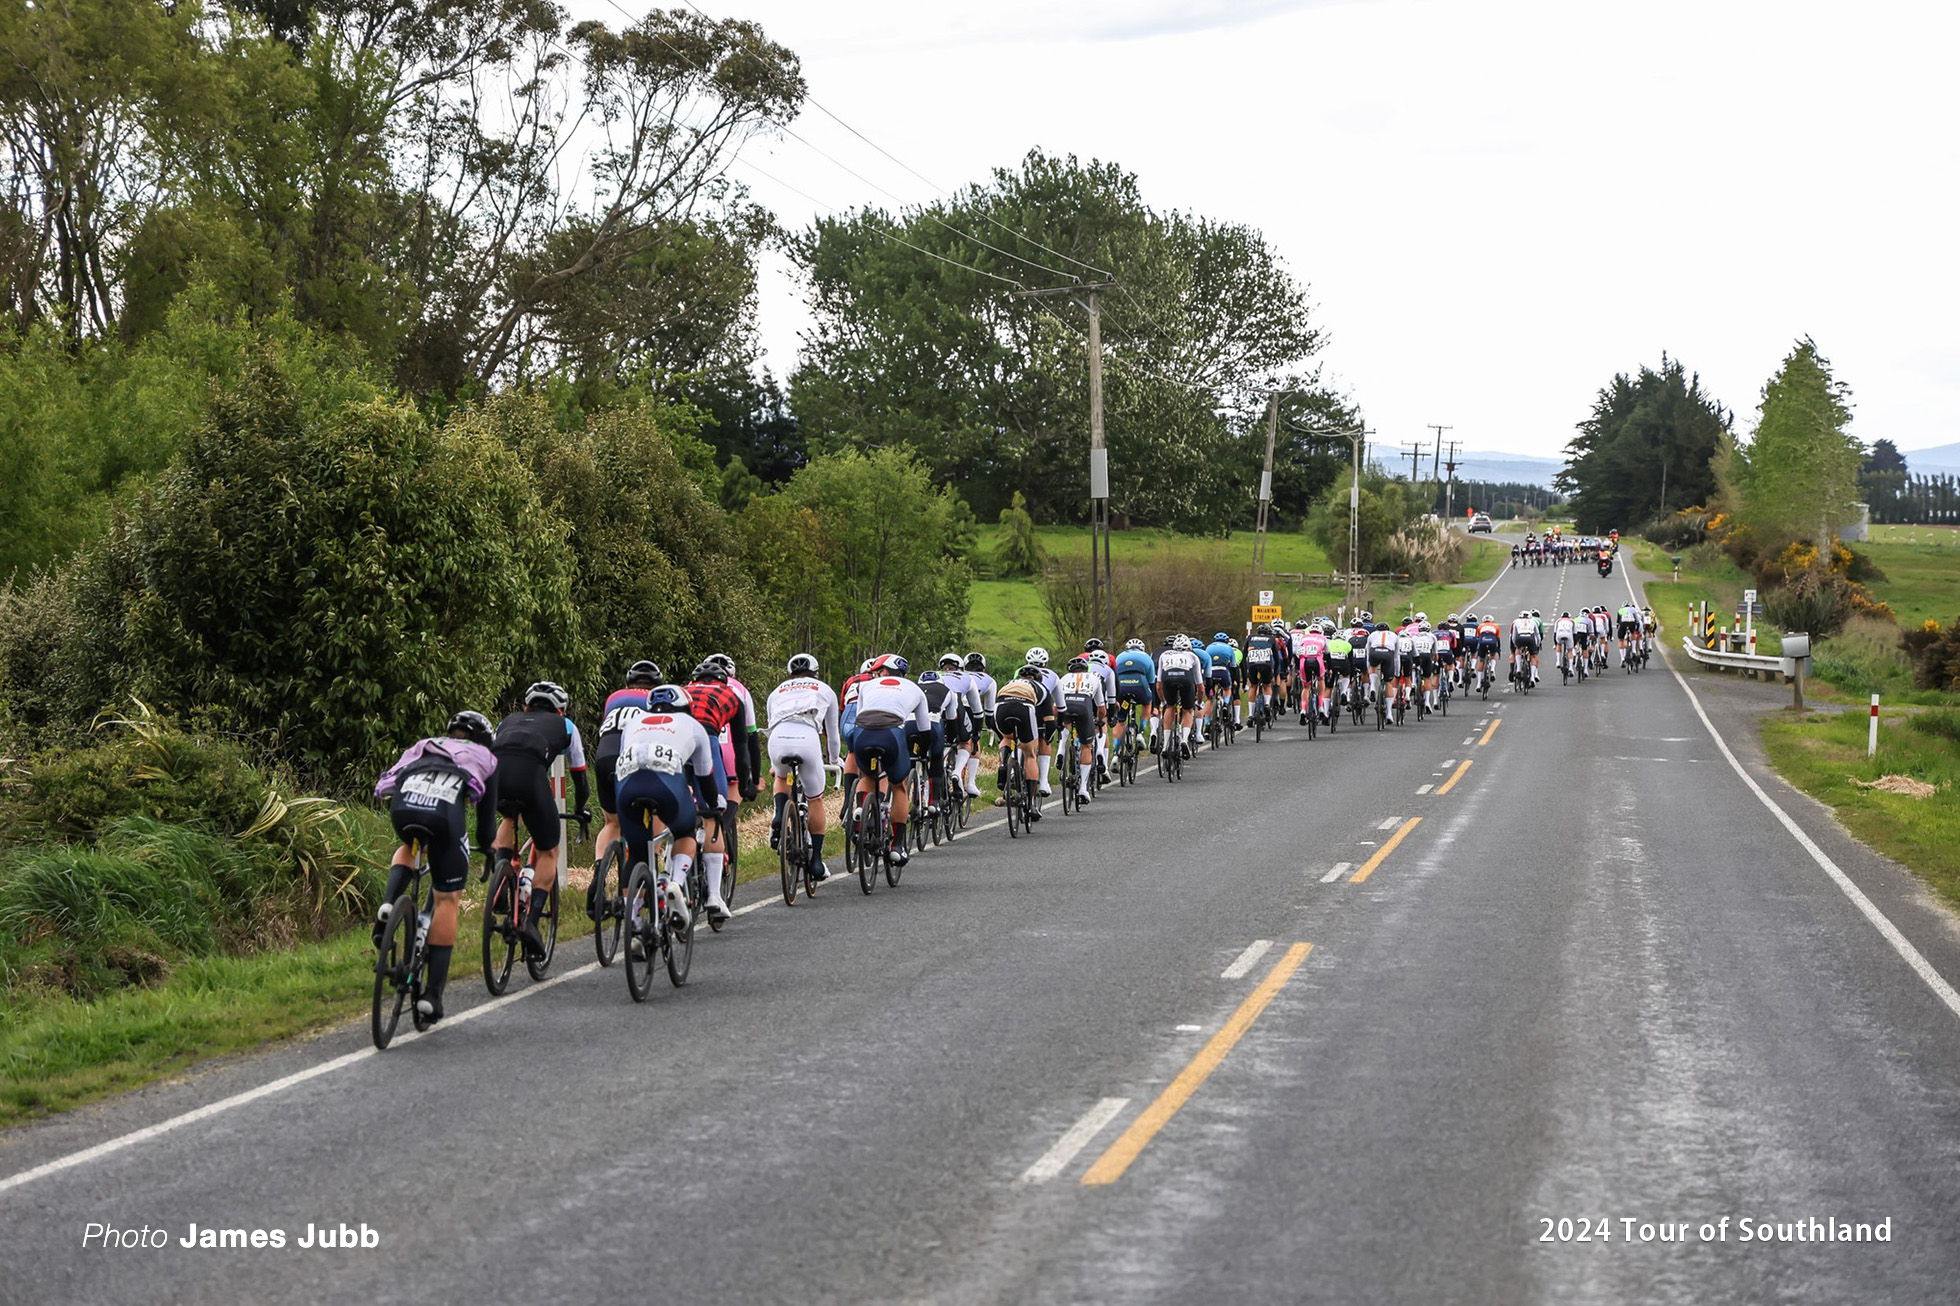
(1935, 654)
(1816, 599)
(1864, 658)
(1427, 550)
(338, 582)
(1153, 596)
(1679, 530)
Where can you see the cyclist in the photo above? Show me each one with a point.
(526, 743)
(1384, 652)
(1023, 709)
(1178, 681)
(1524, 636)
(1423, 643)
(890, 709)
(1085, 707)
(621, 708)
(1037, 658)
(669, 773)
(1602, 633)
(1222, 675)
(964, 730)
(929, 746)
(802, 726)
(1314, 652)
(426, 787)
(1262, 665)
(1448, 636)
(1136, 682)
(1628, 618)
(1565, 634)
(713, 702)
(983, 684)
(741, 735)
(1489, 639)
(1105, 668)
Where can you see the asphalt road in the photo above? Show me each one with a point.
(1597, 979)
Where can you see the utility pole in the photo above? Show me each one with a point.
(1439, 449)
(1414, 454)
(1102, 585)
(1449, 491)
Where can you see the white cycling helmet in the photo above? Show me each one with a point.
(1036, 657)
(1133, 644)
(1099, 656)
(1182, 643)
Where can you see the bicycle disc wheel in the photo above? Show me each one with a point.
(500, 945)
(605, 926)
(391, 972)
(539, 967)
(729, 865)
(867, 851)
(641, 930)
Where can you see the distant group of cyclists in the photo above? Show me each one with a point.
(1555, 549)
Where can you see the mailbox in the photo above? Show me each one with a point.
(1676, 561)
(1796, 652)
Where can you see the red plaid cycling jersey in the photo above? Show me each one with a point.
(714, 705)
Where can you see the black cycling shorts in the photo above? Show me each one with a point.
(1425, 664)
(605, 768)
(1014, 719)
(1386, 657)
(1080, 711)
(524, 791)
(1628, 629)
(1180, 692)
(433, 805)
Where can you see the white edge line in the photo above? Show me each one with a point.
(1340, 869)
(1056, 1158)
(1247, 959)
(1900, 944)
(1425, 789)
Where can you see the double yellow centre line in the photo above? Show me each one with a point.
(1109, 1167)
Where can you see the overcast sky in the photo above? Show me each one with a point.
(1495, 205)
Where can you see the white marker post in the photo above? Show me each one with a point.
(1871, 747)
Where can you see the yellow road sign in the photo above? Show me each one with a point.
(1266, 613)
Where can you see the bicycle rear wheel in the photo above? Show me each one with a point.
(677, 945)
(789, 850)
(500, 945)
(391, 978)
(539, 967)
(642, 931)
(605, 921)
(863, 835)
(731, 840)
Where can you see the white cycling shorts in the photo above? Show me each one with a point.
(799, 747)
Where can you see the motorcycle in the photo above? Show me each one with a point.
(1605, 567)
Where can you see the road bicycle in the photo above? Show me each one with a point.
(1023, 795)
(1071, 768)
(1565, 660)
(793, 842)
(1260, 707)
(925, 819)
(403, 950)
(868, 830)
(1126, 751)
(505, 906)
(653, 935)
(607, 910)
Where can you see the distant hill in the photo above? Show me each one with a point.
(1513, 467)
(1940, 459)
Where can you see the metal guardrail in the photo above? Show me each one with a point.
(1711, 657)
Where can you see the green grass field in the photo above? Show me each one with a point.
(1707, 575)
(1922, 572)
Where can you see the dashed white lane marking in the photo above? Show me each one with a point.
(1390, 823)
(1247, 959)
(1447, 763)
(1340, 869)
(1470, 739)
(1425, 789)
(1056, 1158)
(1189, 1029)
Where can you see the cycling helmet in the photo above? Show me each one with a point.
(949, 660)
(707, 671)
(1078, 663)
(1422, 617)
(895, 664)
(1524, 614)
(1091, 644)
(1220, 637)
(864, 667)
(668, 698)
(1451, 619)
(1233, 641)
(644, 672)
(1136, 644)
(722, 660)
(474, 725)
(976, 662)
(1028, 671)
(546, 692)
(1182, 643)
(1036, 656)
(1565, 616)
(1099, 657)
(928, 677)
(1364, 616)
(1534, 612)
(803, 664)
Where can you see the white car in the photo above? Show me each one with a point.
(1481, 522)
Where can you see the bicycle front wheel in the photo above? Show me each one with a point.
(605, 921)
(790, 851)
(864, 836)
(540, 966)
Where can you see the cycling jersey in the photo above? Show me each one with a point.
(892, 701)
(804, 703)
(1083, 684)
(1261, 658)
(1105, 673)
(542, 735)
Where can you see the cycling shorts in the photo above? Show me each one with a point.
(1141, 691)
(659, 794)
(1014, 719)
(1487, 644)
(1180, 692)
(1446, 654)
(1528, 642)
(1425, 664)
(604, 771)
(887, 744)
(1259, 675)
(799, 749)
(1386, 657)
(1628, 629)
(442, 822)
(524, 791)
(1080, 711)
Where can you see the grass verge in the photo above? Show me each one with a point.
(1824, 755)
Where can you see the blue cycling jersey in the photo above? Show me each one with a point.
(1135, 662)
(1223, 656)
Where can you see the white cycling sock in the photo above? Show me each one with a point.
(960, 759)
(678, 866)
(1047, 769)
(711, 863)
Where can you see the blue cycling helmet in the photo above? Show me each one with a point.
(668, 698)
(1220, 638)
(928, 677)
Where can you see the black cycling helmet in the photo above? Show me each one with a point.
(976, 662)
(474, 726)
(803, 664)
(1091, 644)
(1078, 663)
(644, 672)
(707, 670)
(1028, 671)
(722, 660)
(550, 694)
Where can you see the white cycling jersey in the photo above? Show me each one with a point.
(1176, 662)
(894, 697)
(1084, 684)
(1563, 628)
(667, 742)
(804, 703)
(1523, 628)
